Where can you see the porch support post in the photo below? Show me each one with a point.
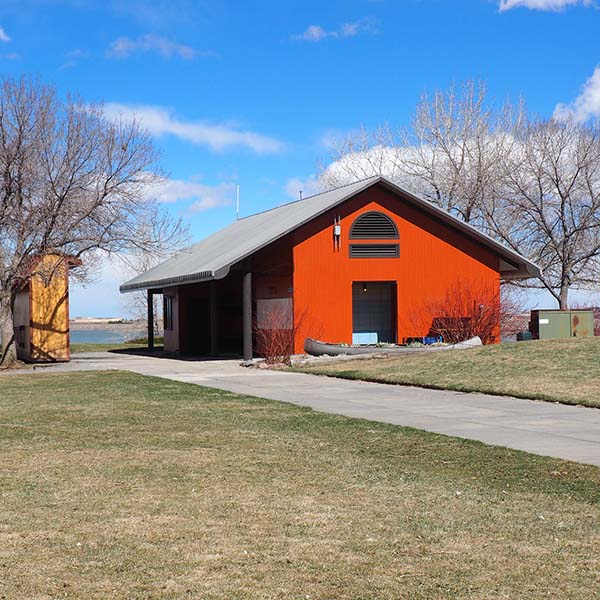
(247, 311)
(214, 332)
(150, 320)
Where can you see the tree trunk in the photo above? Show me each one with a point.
(8, 347)
(563, 298)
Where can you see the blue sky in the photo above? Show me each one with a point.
(249, 93)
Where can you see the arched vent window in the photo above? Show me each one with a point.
(373, 226)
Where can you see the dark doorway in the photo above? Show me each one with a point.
(199, 326)
(230, 317)
(373, 312)
(210, 310)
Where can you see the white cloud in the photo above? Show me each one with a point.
(553, 5)
(161, 121)
(3, 35)
(76, 53)
(309, 186)
(203, 196)
(316, 33)
(73, 57)
(377, 160)
(586, 105)
(123, 47)
(313, 33)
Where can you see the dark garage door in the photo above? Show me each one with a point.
(373, 311)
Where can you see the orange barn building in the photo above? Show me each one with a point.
(356, 264)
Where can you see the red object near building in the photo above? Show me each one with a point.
(360, 264)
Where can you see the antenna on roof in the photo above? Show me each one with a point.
(300, 192)
(237, 202)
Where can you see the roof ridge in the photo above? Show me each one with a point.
(341, 187)
(262, 212)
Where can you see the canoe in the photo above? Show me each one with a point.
(318, 348)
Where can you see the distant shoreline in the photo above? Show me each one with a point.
(125, 327)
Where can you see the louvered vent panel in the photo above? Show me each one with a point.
(374, 251)
(373, 226)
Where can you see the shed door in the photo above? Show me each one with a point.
(373, 312)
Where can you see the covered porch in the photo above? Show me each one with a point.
(220, 317)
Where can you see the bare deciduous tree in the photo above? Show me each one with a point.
(535, 185)
(456, 146)
(71, 182)
(548, 205)
(450, 154)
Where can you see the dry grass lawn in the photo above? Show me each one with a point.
(138, 344)
(92, 347)
(566, 371)
(114, 485)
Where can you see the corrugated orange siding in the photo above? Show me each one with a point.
(433, 258)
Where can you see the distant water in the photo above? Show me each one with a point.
(102, 336)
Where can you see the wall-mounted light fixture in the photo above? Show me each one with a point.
(337, 232)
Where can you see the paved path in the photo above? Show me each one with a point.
(568, 432)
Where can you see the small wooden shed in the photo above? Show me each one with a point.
(41, 310)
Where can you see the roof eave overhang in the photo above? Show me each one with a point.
(170, 281)
(524, 272)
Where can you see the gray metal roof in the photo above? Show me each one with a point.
(212, 257)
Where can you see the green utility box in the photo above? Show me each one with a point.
(552, 324)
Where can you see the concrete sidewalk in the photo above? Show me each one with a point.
(567, 432)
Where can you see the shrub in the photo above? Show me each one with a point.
(276, 332)
(514, 316)
(465, 311)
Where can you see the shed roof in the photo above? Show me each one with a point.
(212, 257)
